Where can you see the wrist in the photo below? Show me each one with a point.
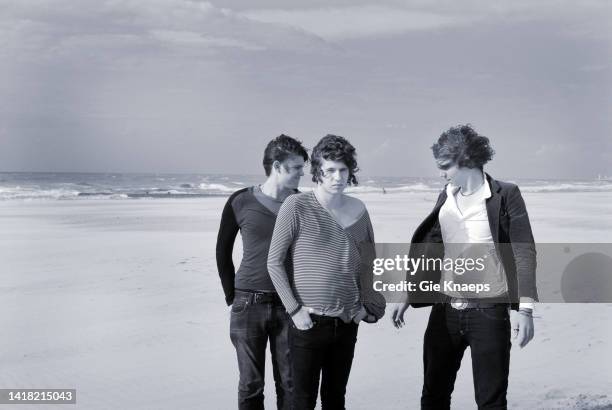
(294, 311)
(526, 303)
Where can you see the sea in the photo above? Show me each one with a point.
(29, 186)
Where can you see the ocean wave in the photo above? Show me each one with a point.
(418, 187)
(567, 187)
(25, 187)
(172, 193)
(11, 193)
(217, 187)
(102, 195)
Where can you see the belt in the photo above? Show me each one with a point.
(260, 297)
(462, 304)
(328, 319)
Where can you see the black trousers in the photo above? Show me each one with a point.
(449, 332)
(252, 325)
(324, 352)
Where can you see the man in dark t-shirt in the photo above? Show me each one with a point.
(257, 313)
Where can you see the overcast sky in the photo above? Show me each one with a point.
(194, 86)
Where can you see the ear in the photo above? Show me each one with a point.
(276, 165)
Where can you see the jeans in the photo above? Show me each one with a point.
(323, 352)
(252, 324)
(449, 332)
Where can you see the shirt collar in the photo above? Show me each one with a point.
(485, 191)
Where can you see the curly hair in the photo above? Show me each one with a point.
(334, 148)
(281, 148)
(464, 146)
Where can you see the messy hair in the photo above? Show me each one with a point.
(334, 148)
(463, 146)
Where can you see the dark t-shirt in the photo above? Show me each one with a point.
(267, 201)
(245, 213)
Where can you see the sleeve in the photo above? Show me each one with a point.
(373, 302)
(228, 230)
(426, 242)
(523, 244)
(285, 231)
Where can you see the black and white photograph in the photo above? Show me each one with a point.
(331, 205)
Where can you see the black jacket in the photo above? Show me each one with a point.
(511, 231)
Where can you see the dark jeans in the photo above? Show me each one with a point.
(252, 324)
(449, 332)
(325, 351)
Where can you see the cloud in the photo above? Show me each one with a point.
(154, 84)
(45, 29)
(339, 20)
(191, 38)
(355, 22)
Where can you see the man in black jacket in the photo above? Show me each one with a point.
(257, 313)
(474, 211)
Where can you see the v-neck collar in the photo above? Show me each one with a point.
(258, 189)
(344, 228)
(262, 206)
(483, 193)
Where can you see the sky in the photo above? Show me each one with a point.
(196, 86)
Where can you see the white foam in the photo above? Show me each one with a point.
(568, 187)
(10, 193)
(216, 187)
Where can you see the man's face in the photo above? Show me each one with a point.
(448, 170)
(290, 171)
(334, 176)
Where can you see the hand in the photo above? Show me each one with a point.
(364, 315)
(523, 329)
(397, 317)
(302, 319)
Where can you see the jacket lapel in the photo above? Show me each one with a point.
(493, 208)
(428, 223)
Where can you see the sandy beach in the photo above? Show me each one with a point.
(120, 299)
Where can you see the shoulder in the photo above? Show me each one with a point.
(238, 197)
(508, 188)
(294, 201)
(502, 185)
(355, 205)
(240, 192)
(506, 185)
(298, 198)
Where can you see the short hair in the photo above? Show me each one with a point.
(281, 148)
(334, 148)
(464, 146)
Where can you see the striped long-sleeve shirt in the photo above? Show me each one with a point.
(326, 260)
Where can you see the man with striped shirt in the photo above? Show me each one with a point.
(325, 233)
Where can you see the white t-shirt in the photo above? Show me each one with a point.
(467, 235)
(464, 220)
